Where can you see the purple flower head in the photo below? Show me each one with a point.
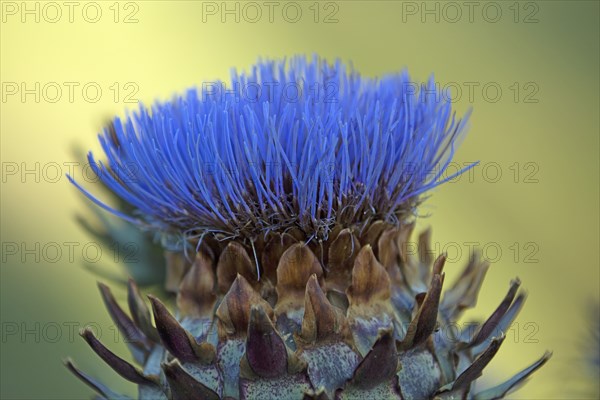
(291, 144)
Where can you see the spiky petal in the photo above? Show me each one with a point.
(346, 149)
(309, 335)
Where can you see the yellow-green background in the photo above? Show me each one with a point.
(170, 48)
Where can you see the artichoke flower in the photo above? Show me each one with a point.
(285, 205)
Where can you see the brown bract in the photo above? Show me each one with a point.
(359, 316)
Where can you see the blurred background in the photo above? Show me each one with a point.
(529, 70)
